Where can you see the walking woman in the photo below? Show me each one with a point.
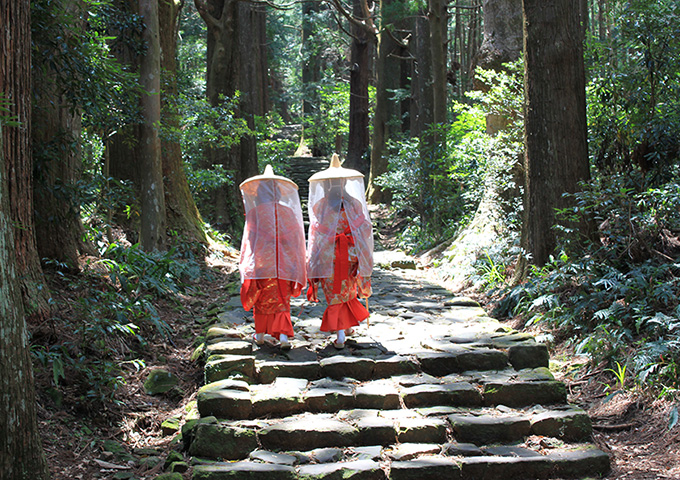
(272, 262)
(340, 248)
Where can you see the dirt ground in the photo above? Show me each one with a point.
(632, 426)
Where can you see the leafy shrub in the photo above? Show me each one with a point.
(616, 295)
(113, 320)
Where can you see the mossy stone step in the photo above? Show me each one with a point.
(362, 427)
(234, 399)
(571, 461)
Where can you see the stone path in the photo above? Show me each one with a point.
(432, 389)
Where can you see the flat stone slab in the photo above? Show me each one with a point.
(432, 468)
(572, 424)
(268, 371)
(215, 440)
(353, 470)
(485, 429)
(374, 430)
(440, 364)
(244, 471)
(520, 394)
(307, 433)
(409, 451)
(422, 430)
(453, 394)
(219, 367)
(233, 404)
(230, 347)
(501, 468)
(329, 399)
(339, 366)
(380, 394)
(586, 462)
(273, 457)
(528, 355)
(393, 366)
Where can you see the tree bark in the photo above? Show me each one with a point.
(15, 85)
(181, 213)
(21, 453)
(359, 77)
(152, 197)
(56, 130)
(311, 73)
(437, 15)
(387, 111)
(226, 27)
(556, 155)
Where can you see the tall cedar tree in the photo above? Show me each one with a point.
(56, 130)
(152, 195)
(15, 85)
(233, 42)
(363, 35)
(391, 56)
(21, 453)
(181, 212)
(556, 153)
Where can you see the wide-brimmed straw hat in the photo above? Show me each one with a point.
(335, 171)
(268, 175)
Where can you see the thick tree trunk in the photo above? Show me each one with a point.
(15, 86)
(224, 78)
(421, 78)
(152, 197)
(502, 44)
(359, 77)
(181, 212)
(21, 453)
(438, 16)
(556, 156)
(56, 131)
(387, 111)
(311, 73)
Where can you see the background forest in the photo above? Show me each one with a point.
(146, 115)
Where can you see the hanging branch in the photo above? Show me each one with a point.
(366, 24)
(207, 17)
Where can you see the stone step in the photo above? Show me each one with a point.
(238, 399)
(228, 356)
(414, 462)
(236, 440)
(432, 388)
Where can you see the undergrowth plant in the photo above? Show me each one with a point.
(615, 295)
(112, 319)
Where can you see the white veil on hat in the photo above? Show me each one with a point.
(273, 244)
(329, 190)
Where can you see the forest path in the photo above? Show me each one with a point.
(431, 388)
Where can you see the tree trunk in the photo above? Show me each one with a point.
(15, 85)
(311, 73)
(387, 111)
(21, 452)
(56, 131)
(181, 212)
(359, 77)
(224, 76)
(556, 155)
(152, 197)
(438, 16)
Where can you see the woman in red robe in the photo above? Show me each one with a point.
(272, 261)
(340, 250)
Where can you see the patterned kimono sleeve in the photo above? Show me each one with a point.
(364, 289)
(249, 294)
(313, 290)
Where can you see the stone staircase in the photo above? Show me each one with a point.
(431, 389)
(300, 169)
